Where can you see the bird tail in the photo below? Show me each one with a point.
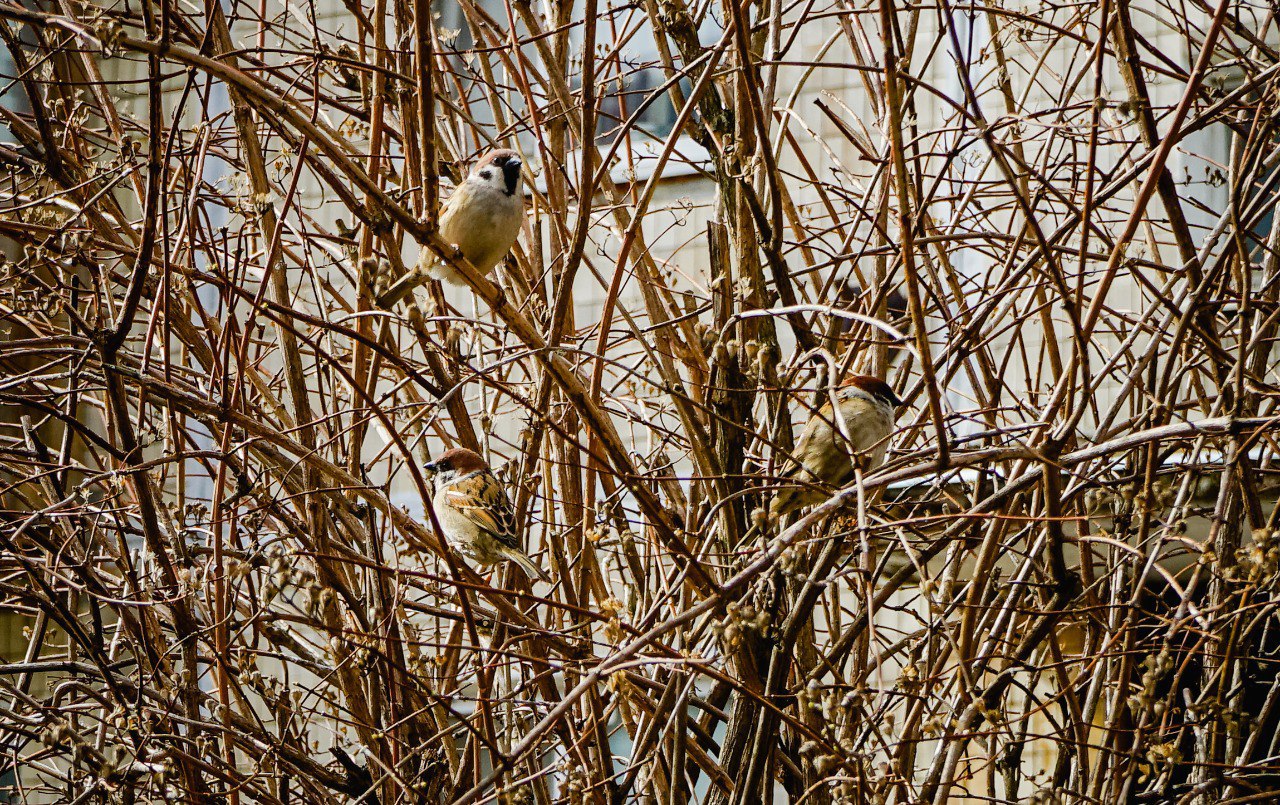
(799, 488)
(792, 493)
(401, 288)
(415, 277)
(526, 564)
(784, 502)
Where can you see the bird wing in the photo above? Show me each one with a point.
(448, 220)
(813, 464)
(816, 429)
(481, 499)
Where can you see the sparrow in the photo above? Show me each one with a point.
(474, 511)
(833, 439)
(482, 218)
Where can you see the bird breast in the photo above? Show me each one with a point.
(868, 423)
(464, 534)
(826, 446)
(483, 221)
(456, 525)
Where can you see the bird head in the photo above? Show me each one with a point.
(455, 463)
(500, 170)
(875, 388)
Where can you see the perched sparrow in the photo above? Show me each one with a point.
(828, 447)
(474, 511)
(482, 218)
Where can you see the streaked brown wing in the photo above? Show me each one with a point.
(448, 219)
(483, 501)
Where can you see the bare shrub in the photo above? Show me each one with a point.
(1048, 226)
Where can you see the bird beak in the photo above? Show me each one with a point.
(511, 172)
(432, 467)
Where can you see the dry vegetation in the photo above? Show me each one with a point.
(219, 567)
